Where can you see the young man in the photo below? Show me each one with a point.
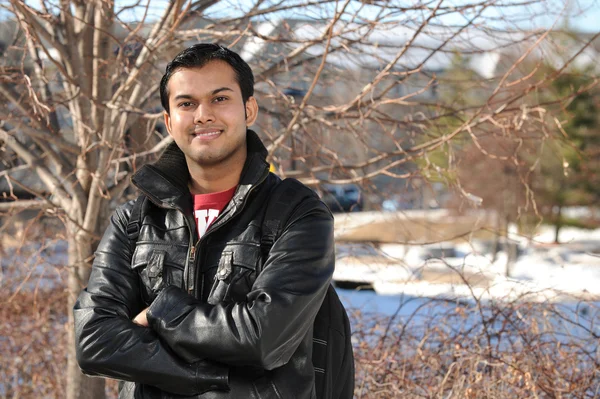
(191, 306)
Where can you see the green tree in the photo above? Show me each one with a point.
(569, 169)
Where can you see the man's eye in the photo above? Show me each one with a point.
(185, 104)
(220, 99)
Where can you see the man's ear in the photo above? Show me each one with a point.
(251, 111)
(167, 121)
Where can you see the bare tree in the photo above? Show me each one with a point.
(74, 67)
(350, 92)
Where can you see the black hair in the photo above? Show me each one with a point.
(201, 54)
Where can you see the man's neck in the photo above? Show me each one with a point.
(215, 178)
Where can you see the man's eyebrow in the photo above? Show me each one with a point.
(220, 89)
(183, 96)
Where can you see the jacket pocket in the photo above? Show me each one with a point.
(235, 273)
(157, 269)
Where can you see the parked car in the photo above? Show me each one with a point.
(342, 198)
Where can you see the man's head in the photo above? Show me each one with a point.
(207, 92)
(201, 54)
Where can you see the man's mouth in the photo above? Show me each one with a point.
(207, 134)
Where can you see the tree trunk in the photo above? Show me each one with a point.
(496, 242)
(558, 224)
(79, 386)
(507, 245)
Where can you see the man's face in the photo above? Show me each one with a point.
(208, 117)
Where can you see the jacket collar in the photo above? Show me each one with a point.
(165, 182)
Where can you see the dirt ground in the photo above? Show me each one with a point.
(413, 227)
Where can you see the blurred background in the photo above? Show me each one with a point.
(457, 143)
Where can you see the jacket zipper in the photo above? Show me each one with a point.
(192, 290)
(190, 266)
(189, 271)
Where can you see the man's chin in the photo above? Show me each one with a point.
(210, 157)
(208, 160)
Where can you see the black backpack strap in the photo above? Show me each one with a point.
(135, 220)
(284, 199)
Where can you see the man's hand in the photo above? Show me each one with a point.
(141, 319)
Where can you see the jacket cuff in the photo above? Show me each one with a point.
(211, 376)
(167, 300)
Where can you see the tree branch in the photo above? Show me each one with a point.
(24, 204)
(157, 148)
(54, 186)
(58, 141)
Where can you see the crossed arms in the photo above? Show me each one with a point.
(189, 346)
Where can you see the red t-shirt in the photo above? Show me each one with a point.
(207, 208)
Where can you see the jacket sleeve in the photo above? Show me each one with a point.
(107, 341)
(266, 329)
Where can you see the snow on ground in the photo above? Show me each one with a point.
(567, 235)
(543, 271)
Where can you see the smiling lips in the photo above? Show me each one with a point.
(207, 134)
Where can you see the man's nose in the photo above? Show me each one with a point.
(204, 114)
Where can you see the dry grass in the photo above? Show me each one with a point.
(503, 350)
(32, 347)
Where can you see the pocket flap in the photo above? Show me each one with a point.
(147, 254)
(156, 263)
(225, 265)
(246, 256)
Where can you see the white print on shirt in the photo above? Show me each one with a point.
(204, 217)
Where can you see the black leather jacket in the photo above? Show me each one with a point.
(242, 335)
